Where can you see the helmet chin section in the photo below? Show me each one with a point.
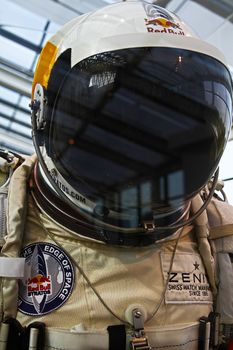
(54, 206)
(50, 202)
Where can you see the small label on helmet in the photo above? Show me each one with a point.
(68, 189)
(188, 281)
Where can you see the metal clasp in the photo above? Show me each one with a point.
(149, 226)
(139, 339)
(6, 155)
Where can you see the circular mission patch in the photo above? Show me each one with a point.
(48, 280)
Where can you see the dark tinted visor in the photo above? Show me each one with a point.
(140, 131)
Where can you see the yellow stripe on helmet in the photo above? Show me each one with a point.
(44, 65)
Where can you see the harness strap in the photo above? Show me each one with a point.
(221, 231)
(35, 336)
(3, 205)
(12, 267)
(13, 335)
(202, 232)
(117, 337)
(7, 163)
(4, 332)
(204, 334)
(184, 337)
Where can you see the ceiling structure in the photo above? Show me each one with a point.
(25, 26)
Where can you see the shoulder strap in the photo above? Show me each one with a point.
(220, 219)
(202, 235)
(3, 206)
(8, 162)
(220, 222)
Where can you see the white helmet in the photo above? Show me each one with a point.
(131, 114)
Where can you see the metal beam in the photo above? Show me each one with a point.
(15, 106)
(49, 9)
(12, 120)
(12, 142)
(19, 40)
(9, 65)
(15, 132)
(162, 3)
(15, 81)
(221, 8)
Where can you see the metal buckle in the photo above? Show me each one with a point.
(149, 226)
(140, 344)
(139, 339)
(8, 156)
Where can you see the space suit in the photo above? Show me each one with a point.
(112, 240)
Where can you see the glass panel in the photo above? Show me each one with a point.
(52, 29)
(3, 122)
(20, 128)
(8, 95)
(6, 110)
(24, 102)
(21, 22)
(24, 56)
(25, 118)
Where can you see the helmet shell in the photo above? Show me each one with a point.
(122, 25)
(173, 76)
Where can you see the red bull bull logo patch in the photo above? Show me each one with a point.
(159, 20)
(48, 281)
(39, 285)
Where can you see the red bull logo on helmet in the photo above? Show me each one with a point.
(159, 20)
